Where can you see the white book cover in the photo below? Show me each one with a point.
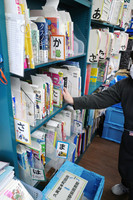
(93, 47)
(103, 45)
(97, 9)
(30, 102)
(36, 80)
(48, 80)
(117, 42)
(67, 118)
(19, 103)
(74, 78)
(38, 102)
(61, 134)
(12, 6)
(124, 41)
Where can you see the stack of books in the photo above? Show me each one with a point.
(9, 187)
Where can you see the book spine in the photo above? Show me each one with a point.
(75, 142)
(43, 36)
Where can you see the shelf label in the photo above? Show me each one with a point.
(57, 47)
(62, 149)
(37, 174)
(22, 131)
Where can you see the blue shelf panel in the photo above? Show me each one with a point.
(7, 135)
(84, 2)
(104, 24)
(94, 86)
(52, 62)
(39, 123)
(74, 3)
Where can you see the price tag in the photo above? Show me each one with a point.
(77, 127)
(57, 47)
(37, 174)
(22, 131)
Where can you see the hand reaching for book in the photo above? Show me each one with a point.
(67, 97)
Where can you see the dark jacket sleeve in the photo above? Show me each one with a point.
(99, 100)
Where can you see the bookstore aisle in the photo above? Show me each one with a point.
(102, 157)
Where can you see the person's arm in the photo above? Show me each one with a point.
(99, 100)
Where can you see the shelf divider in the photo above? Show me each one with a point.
(94, 86)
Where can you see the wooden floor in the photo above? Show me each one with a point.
(102, 157)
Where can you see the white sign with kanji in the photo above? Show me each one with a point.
(22, 131)
(37, 174)
(62, 149)
(57, 47)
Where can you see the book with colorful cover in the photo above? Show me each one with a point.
(28, 40)
(79, 144)
(53, 25)
(58, 85)
(75, 142)
(43, 36)
(87, 81)
(15, 190)
(60, 133)
(40, 137)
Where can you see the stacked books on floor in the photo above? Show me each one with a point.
(9, 187)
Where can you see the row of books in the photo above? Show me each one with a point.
(96, 72)
(11, 188)
(114, 12)
(49, 33)
(35, 101)
(103, 44)
(101, 70)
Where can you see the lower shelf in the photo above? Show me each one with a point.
(39, 123)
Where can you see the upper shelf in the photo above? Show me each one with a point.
(52, 62)
(85, 3)
(37, 4)
(104, 24)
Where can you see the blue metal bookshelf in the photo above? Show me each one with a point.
(7, 136)
(101, 24)
(80, 11)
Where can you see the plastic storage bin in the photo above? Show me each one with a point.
(114, 116)
(118, 105)
(94, 187)
(35, 193)
(112, 132)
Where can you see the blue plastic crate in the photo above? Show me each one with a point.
(94, 187)
(112, 132)
(118, 105)
(114, 116)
